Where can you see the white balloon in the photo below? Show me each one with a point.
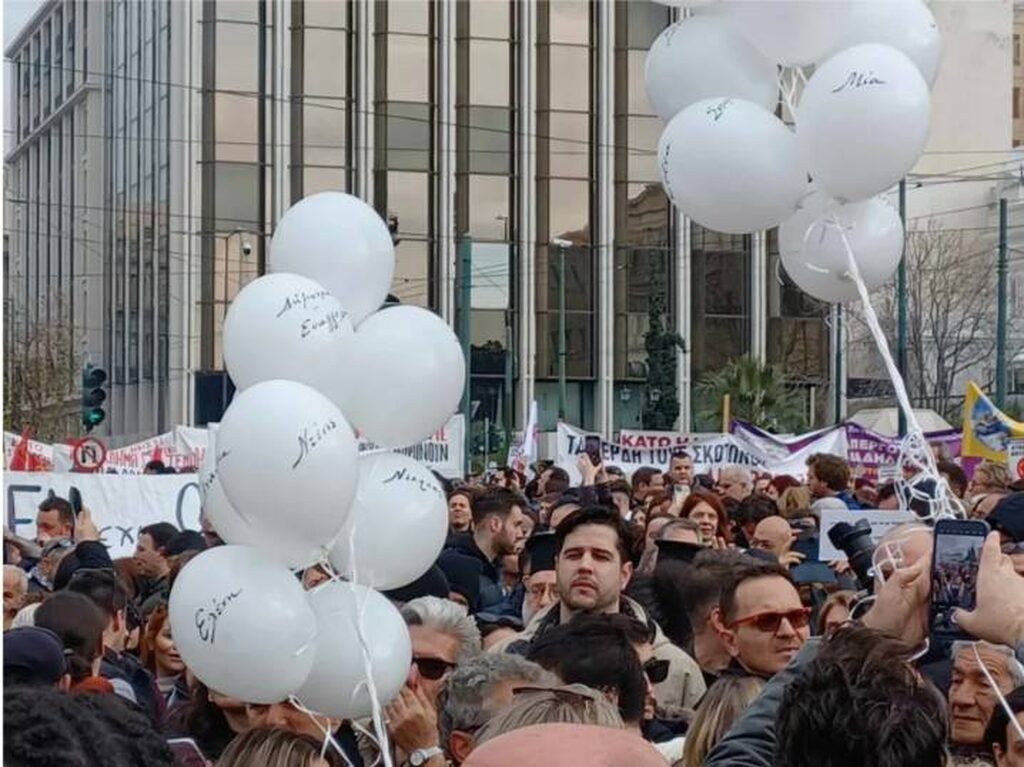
(287, 460)
(233, 527)
(394, 492)
(342, 243)
(790, 32)
(719, 156)
(701, 58)
(906, 25)
(286, 326)
(408, 375)
(814, 255)
(863, 121)
(242, 624)
(336, 686)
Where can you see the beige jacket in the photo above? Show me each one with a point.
(685, 683)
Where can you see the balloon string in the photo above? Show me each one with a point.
(384, 747)
(324, 729)
(999, 693)
(914, 448)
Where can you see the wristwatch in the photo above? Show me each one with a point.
(421, 756)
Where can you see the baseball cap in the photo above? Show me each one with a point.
(35, 653)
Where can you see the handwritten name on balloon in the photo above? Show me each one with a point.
(206, 619)
(312, 436)
(404, 475)
(858, 80)
(331, 321)
(300, 299)
(717, 110)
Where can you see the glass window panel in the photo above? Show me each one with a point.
(235, 122)
(324, 132)
(569, 210)
(644, 215)
(408, 68)
(638, 103)
(799, 346)
(569, 77)
(487, 329)
(725, 283)
(489, 280)
(237, 10)
(579, 342)
(324, 57)
(489, 140)
(579, 279)
(488, 73)
(237, 49)
(489, 19)
(320, 179)
(569, 21)
(325, 13)
(569, 146)
(645, 22)
(716, 341)
(408, 136)
(236, 196)
(642, 148)
(408, 199)
(410, 282)
(409, 16)
(488, 208)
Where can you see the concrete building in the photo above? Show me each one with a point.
(502, 127)
(157, 143)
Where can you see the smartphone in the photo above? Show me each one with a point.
(75, 499)
(592, 447)
(955, 560)
(187, 752)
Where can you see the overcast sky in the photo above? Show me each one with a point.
(16, 13)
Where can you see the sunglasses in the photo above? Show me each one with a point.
(769, 622)
(433, 668)
(656, 670)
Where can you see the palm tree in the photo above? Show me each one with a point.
(759, 393)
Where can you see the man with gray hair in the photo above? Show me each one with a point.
(476, 691)
(971, 697)
(443, 637)
(735, 482)
(15, 586)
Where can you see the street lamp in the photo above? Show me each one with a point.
(563, 246)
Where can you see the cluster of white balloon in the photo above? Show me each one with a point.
(861, 122)
(313, 355)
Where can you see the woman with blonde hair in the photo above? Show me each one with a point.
(722, 705)
(795, 501)
(277, 748)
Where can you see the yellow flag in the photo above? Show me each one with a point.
(986, 428)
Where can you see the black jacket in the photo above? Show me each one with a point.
(128, 668)
(492, 598)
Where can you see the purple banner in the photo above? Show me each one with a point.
(868, 450)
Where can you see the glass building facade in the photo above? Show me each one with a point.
(510, 145)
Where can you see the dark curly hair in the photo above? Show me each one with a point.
(48, 728)
(861, 703)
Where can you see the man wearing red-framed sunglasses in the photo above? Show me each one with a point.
(761, 620)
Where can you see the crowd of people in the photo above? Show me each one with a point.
(666, 619)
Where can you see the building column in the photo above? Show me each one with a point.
(365, 89)
(605, 243)
(445, 223)
(526, 230)
(684, 316)
(280, 110)
(759, 296)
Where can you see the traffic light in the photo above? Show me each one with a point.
(93, 396)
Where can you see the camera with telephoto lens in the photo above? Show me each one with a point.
(855, 541)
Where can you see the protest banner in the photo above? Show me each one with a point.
(881, 522)
(869, 450)
(441, 453)
(987, 429)
(119, 503)
(1015, 458)
(709, 453)
(788, 455)
(39, 454)
(181, 448)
